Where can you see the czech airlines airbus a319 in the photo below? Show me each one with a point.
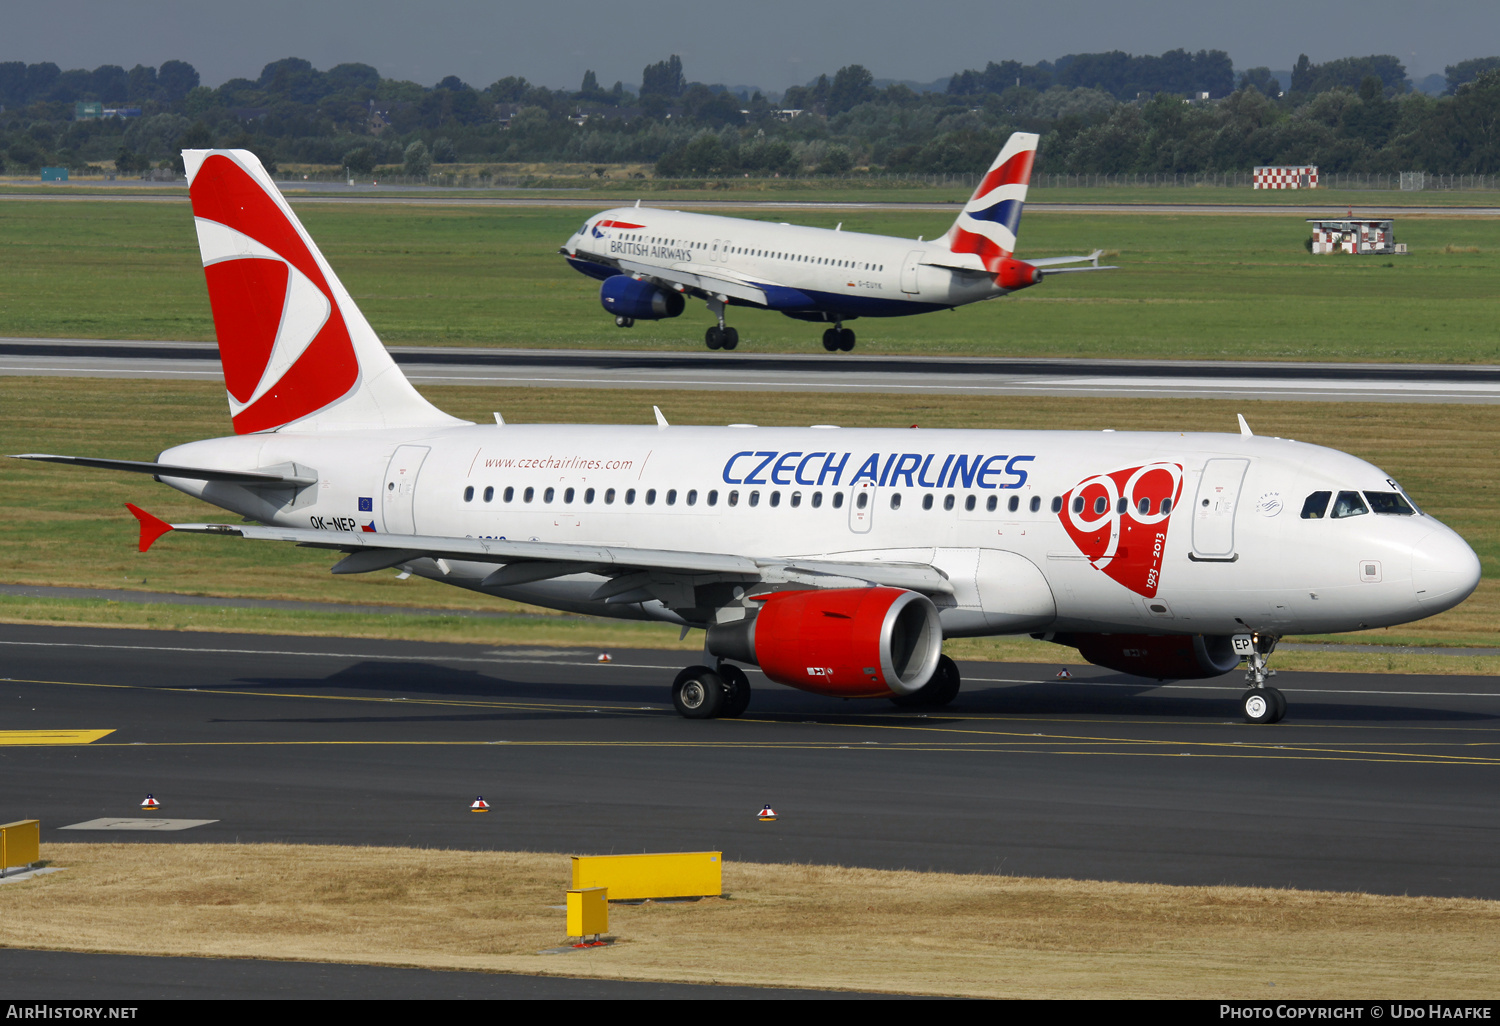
(836, 560)
(651, 259)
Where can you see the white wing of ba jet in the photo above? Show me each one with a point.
(836, 560)
(649, 260)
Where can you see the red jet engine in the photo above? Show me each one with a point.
(846, 642)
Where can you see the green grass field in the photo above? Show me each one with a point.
(68, 526)
(1190, 286)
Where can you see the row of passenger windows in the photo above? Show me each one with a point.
(669, 498)
(794, 500)
(746, 251)
(1352, 504)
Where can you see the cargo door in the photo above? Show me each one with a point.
(1214, 508)
(400, 492)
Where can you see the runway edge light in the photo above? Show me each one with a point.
(150, 805)
(480, 805)
(767, 815)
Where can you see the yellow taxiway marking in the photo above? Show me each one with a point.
(51, 737)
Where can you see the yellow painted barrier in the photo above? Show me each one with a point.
(588, 911)
(688, 874)
(20, 843)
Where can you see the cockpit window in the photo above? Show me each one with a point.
(1316, 506)
(1390, 503)
(1349, 504)
(585, 229)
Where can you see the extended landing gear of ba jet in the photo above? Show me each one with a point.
(720, 337)
(700, 693)
(838, 338)
(624, 322)
(1262, 703)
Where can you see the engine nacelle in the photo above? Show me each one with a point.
(1017, 274)
(625, 296)
(847, 642)
(1161, 656)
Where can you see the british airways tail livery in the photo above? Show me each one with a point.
(649, 260)
(836, 560)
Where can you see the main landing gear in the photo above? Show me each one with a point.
(1262, 703)
(700, 693)
(838, 338)
(937, 692)
(719, 336)
(624, 322)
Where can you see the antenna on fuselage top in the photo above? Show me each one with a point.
(1244, 428)
(661, 420)
(499, 420)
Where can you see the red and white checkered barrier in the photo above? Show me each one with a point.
(1286, 177)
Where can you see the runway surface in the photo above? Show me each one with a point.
(1384, 784)
(700, 369)
(405, 195)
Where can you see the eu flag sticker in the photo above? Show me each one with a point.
(366, 505)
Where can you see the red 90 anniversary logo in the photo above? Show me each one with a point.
(1119, 521)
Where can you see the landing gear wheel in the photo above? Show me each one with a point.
(698, 693)
(831, 340)
(937, 692)
(731, 338)
(624, 322)
(846, 339)
(1263, 705)
(1280, 700)
(736, 690)
(714, 338)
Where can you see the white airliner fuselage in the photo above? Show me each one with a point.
(834, 559)
(1246, 562)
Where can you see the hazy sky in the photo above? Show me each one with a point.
(770, 43)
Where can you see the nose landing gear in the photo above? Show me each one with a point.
(1262, 703)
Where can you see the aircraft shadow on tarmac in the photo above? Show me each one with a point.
(1124, 695)
(1107, 695)
(433, 680)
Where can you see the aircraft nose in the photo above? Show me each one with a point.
(1444, 571)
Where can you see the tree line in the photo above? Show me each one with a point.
(1115, 112)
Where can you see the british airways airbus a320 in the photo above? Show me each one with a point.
(836, 560)
(650, 259)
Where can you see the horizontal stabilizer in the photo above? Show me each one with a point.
(241, 477)
(1052, 265)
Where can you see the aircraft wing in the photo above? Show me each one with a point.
(635, 574)
(697, 279)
